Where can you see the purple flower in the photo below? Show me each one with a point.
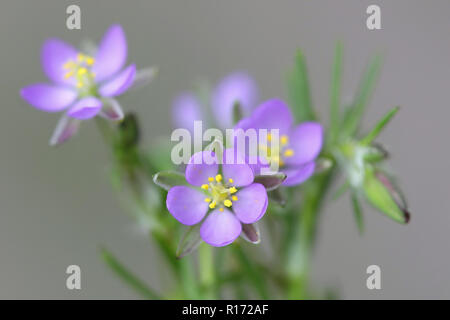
(299, 145)
(237, 87)
(82, 84)
(220, 197)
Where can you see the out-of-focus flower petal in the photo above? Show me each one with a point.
(220, 228)
(186, 205)
(272, 114)
(234, 167)
(119, 83)
(236, 87)
(47, 97)
(297, 175)
(186, 109)
(201, 166)
(85, 108)
(111, 110)
(111, 54)
(251, 204)
(144, 77)
(306, 141)
(64, 130)
(54, 54)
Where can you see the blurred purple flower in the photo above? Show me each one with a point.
(299, 145)
(237, 87)
(83, 84)
(221, 198)
(186, 109)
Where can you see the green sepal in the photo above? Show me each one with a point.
(381, 196)
(169, 179)
(270, 181)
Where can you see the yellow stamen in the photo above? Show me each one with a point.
(207, 200)
(235, 198)
(90, 61)
(288, 153)
(68, 75)
(68, 65)
(227, 203)
(82, 71)
(204, 186)
(269, 137)
(81, 57)
(221, 209)
(284, 139)
(219, 178)
(230, 180)
(212, 205)
(79, 84)
(233, 190)
(210, 179)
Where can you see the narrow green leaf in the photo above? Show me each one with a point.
(335, 92)
(357, 210)
(271, 181)
(362, 97)
(127, 276)
(299, 91)
(370, 137)
(341, 190)
(189, 241)
(168, 179)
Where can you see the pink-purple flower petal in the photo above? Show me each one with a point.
(236, 87)
(220, 228)
(201, 166)
(85, 108)
(65, 129)
(271, 114)
(48, 97)
(186, 205)
(234, 167)
(111, 54)
(306, 141)
(119, 83)
(251, 204)
(186, 109)
(54, 55)
(299, 174)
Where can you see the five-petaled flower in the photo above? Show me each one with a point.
(299, 145)
(221, 197)
(82, 83)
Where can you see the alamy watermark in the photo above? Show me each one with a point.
(251, 146)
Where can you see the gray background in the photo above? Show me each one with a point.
(57, 208)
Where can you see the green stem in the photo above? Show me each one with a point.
(206, 270)
(301, 244)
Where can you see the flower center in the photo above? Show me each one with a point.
(81, 71)
(220, 193)
(277, 153)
